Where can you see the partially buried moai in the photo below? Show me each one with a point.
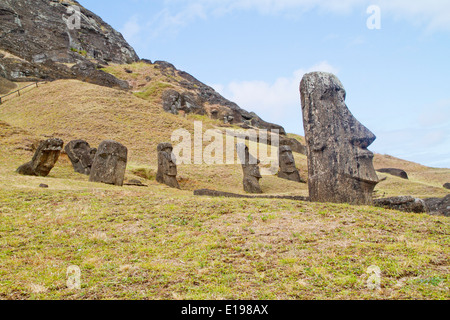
(110, 163)
(81, 156)
(167, 168)
(44, 159)
(288, 170)
(340, 168)
(250, 169)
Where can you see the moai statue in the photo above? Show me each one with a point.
(167, 168)
(340, 167)
(44, 158)
(288, 169)
(81, 155)
(250, 168)
(110, 163)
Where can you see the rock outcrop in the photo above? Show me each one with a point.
(439, 206)
(40, 37)
(175, 102)
(395, 172)
(44, 159)
(340, 167)
(403, 203)
(200, 94)
(110, 163)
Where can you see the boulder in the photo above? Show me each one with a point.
(447, 185)
(110, 163)
(340, 167)
(395, 172)
(81, 155)
(250, 169)
(439, 206)
(44, 159)
(288, 170)
(403, 203)
(174, 102)
(167, 168)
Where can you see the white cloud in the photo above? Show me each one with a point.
(433, 14)
(131, 29)
(272, 101)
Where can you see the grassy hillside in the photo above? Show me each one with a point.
(159, 243)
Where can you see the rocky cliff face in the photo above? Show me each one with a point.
(53, 39)
(60, 39)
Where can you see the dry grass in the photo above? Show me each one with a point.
(160, 243)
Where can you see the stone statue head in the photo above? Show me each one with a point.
(110, 163)
(167, 168)
(287, 162)
(166, 160)
(81, 155)
(339, 163)
(46, 156)
(288, 170)
(250, 168)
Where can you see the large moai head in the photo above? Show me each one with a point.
(44, 159)
(250, 168)
(110, 163)
(167, 168)
(339, 164)
(81, 155)
(288, 170)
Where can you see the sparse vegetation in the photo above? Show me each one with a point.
(160, 243)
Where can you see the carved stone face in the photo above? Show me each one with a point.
(167, 163)
(167, 168)
(287, 162)
(81, 155)
(340, 166)
(110, 163)
(46, 156)
(250, 168)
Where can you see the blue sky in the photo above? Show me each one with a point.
(254, 52)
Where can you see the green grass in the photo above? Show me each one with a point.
(136, 244)
(160, 243)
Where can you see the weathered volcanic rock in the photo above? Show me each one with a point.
(447, 185)
(44, 159)
(439, 206)
(81, 155)
(110, 163)
(403, 203)
(41, 40)
(339, 164)
(167, 168)
(288, 169)
(250, 169)
(212, 103)
(395, 172)
(174, 102)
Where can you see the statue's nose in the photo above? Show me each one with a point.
(360, 135)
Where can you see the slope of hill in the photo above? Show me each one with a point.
(155, 242)
(186, 247)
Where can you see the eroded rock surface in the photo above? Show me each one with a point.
(250, 169)
(167, 168)
(340, 165)
(44, 159)
(110, 163)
